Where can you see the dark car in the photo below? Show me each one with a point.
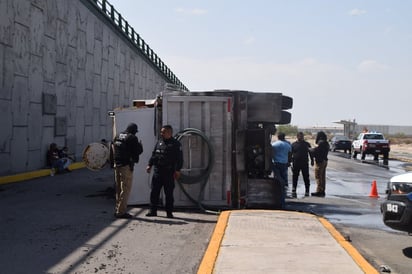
(397, 209)
(340, 142)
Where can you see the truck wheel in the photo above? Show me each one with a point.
(354, 154)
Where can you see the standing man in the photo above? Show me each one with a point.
(300, 157)
(126, 148)
(281, 150)
(320, 153)
(167, 159)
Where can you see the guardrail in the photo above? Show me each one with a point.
(128, 31)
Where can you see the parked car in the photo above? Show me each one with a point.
(340, 142)
(397, 208)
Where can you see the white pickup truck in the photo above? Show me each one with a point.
(371, 143)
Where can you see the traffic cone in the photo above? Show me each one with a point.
(374, 190)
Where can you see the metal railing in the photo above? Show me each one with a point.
(128, 31)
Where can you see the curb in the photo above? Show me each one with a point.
(34, 174)
(210, 256)
(352, 251)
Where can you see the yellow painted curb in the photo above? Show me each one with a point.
(34, 174)
(357, 257)
(208, 262)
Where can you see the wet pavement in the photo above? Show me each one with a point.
(347, 203)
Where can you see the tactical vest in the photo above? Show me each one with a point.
(122, 155)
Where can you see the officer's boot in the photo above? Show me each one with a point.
(151, 213)
(294, 195)
(307, 191)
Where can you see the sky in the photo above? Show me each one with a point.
(338, 60)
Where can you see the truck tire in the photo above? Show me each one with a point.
(355, 153)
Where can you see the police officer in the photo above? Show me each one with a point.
(167, 159)
(126, 150)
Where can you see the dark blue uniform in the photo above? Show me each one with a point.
(167, 157)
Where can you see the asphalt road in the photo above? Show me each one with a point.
(65, 224)
(357, 216)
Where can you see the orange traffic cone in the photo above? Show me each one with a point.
(374, 190)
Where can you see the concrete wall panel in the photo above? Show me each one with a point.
(111, 104)
(89, 71)
(35, 79)
(72, 27)
(62, 41)
(21, 49)
(21, 10)
(105, 76)
(51, 18)
(71, 113)
(6, 22)
(61, 83)
(66, 51)
(97, 91)
(88, 135)
(88, 105)
(2, 77)
(71, 66)
(5, 160)
(19, 148)
(95, 129)
(80, 127)
(35, 157)
(41, 4)
(6, 126)
(80, 87)
(63, 9)
(20, 104)
(98, 53)
(81, 50)
(90, 34)
(36, 30)
(49, 59)
(35, 127)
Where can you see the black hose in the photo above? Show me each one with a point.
(203, 176)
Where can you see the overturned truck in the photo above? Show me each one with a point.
(226, 140)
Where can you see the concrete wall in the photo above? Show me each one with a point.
(62, 67)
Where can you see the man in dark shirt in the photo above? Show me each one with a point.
(126, 148)
(320, 153)
(300, 157)
(167, 159)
